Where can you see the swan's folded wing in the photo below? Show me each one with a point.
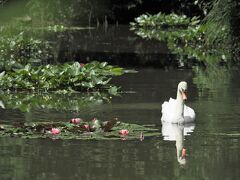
(168, 109)
(167, 105)
(189, 114)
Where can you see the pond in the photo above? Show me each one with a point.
(212, 143)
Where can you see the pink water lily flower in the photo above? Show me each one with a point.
(55, 131)
(124, 132)
(86, 126)
(82, 64)
(75, 120)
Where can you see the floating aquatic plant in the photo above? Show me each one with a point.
(184, 36)
(93, 76)
(93, 129)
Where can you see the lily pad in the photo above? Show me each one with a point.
(94, 129)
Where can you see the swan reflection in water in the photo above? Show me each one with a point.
(176, 132)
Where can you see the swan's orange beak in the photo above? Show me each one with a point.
(184, 95)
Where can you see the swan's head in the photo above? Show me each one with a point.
(182, 89)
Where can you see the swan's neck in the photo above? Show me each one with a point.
(180, 103)
(179, 141)
(180, 145)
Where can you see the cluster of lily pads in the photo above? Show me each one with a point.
(162, 20)
(184, 36)
(78, 128)
(74, 76)
(23, 67)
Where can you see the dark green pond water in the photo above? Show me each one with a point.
(212, 143)
(212, 148)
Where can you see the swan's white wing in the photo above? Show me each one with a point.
(169, 112)
(189, 114)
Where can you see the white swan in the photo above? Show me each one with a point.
(174, 111)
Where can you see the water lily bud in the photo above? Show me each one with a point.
(86, 126)
(55, 131)
(124, 132)
(75, 120)
(82, 64)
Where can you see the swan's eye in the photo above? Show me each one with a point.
(182, 90)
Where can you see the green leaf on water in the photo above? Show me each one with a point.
(113, 90)
(108, 130)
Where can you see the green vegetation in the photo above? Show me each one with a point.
(18, 50)
(161, 20)
(205, 80)
(184, 36)
(74, 102)
(62, 28)
(95, 129)
(163, 28)
(74, 76)
(218, 22)
(27, 63)
(212, 40)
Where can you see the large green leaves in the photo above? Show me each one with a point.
(84, 130)
(74, 76)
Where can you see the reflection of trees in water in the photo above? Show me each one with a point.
(116, 45)
(106, 160)
(27, 102)
(217, 92)
(212, 81)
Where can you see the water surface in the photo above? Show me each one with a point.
(212, 143)
(212, 147)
